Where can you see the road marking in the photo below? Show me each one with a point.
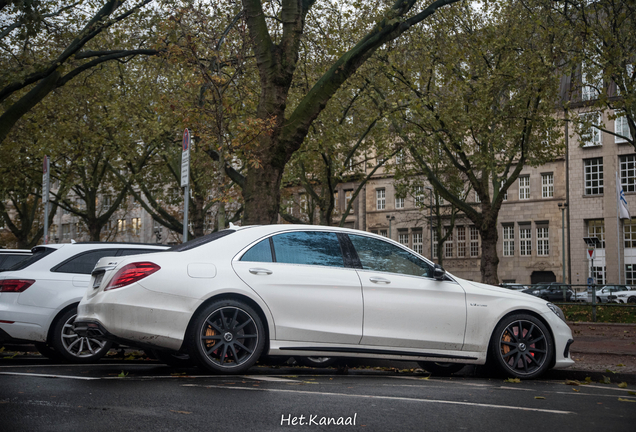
(396, 398)
(423, 379)
(269, 378)
(51, 376)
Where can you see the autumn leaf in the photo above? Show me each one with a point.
(512, 380)
(123, 374)
(623, 385)
(605, 380)
(539, 397)
(572, 382)
(626, 400)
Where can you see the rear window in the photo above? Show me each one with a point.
(38, 254)
(84, 263)
(194, 243)
(126, 252)
(7, 260)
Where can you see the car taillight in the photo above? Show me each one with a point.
(15, 285)
(131, 273)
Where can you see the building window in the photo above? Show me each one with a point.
(380, 199)
(477, 200)
(448, 244)
(403, 238)
(303, 203)
(336, 202)
(136, 225)
(461, 242)
(525, 240)
(399, 157)
(591, 136)
(621, 127)
(547, 185)
(474, 241)
(348, 195)
(596, 228)
(524, 187)
(435, 242)
(590, 83)
(630, 274)
(599, 274)
(593, 176)
(630, 234)
(399, 202)
(419, 195)
(121, 225)
(628, 173)
(66, 231)
(543, 241)
(508, 240)
(418, 242)
(384, 233)
(108, 201)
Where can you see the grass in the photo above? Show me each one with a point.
(607, 313)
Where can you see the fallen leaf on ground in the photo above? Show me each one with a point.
(588, 379)
(605, 380)
(623, 385)
(631, 393)
(512, 380)
(539, 397)
(123, 375)
(609, 371)
(620, 365)
(572, 382)
(576, 390)
(626, 400)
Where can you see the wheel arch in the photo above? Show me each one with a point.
(525, 312)
(233, 296)
(61, 312)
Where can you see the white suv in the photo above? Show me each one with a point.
(39, 297)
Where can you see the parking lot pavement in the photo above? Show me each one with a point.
(139, 395)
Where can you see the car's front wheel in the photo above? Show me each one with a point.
(227, 336)
(71, 346)
(631, 299)
(521, 346)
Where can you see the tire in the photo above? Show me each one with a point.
(317, 362)
(171, 358)
(227, 337)
(631, 299)
(441, 369)
(521, 346)
(70, 346)
(47, 351)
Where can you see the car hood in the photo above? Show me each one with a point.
(502, 292)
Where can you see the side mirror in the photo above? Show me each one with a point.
(438, 272)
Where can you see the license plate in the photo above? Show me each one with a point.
(98, 280)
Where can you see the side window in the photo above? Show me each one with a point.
(84, 263)
(382, 256)
(308, 247)
(260, 252)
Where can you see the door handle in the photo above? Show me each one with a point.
(260, 271)
(379, 280)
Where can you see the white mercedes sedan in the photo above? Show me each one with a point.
(298, 290)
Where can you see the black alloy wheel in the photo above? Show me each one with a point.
(227, 336)
(522, 346)
(441, 369)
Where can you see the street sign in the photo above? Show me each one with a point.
(591, 254)
(46, 177)
(185, 159)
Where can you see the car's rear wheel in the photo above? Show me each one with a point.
(632, 299)
(71, 346)
(317, 362)
(227, 336)
(521, 346)
(441, 369)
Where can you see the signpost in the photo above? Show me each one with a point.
(46, 183)
(185, 179)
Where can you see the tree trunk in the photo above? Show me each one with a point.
(489, 258)
(95, 230)
(261, 193)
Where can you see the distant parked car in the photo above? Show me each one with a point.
(512, 286)
(39, 297)
(627, 296)
(608, 290)
(580, 296)
(11, 257)
(552, 292)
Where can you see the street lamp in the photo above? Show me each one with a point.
(390, 218)
(430, 212)
(563, 207)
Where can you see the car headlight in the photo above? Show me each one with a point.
(557, 310)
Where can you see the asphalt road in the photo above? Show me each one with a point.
(146, 396)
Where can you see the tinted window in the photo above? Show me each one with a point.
(201, 240)
(310, 247)
(382, 256)
(8, 261)
(38, 254)
(260, 252)
(84, 263)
